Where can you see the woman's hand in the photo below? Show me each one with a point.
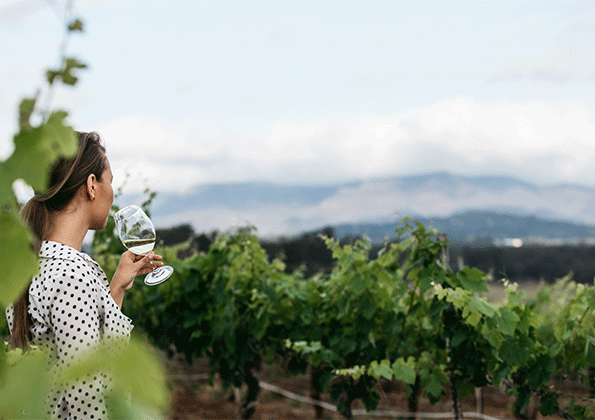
(131, 266)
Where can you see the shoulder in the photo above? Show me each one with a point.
(62, 267)
(55, 250)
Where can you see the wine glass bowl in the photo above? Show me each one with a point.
(137, 233)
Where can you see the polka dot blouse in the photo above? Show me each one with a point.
(71, 310)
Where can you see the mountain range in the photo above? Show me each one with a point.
(481, 228)
(441, 197)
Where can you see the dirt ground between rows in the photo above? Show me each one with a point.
(195, 399)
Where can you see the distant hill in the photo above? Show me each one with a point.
(289, 209)
(483, 228)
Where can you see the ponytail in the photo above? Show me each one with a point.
(66, 177)
(36, 215)
(20, 336)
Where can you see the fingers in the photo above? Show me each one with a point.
(138, 265)
(149, 262)
(151, 256)
(135, 258)
(132, 256)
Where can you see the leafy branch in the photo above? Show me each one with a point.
(66, 65)
(23, 376)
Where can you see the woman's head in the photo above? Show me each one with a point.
(67, 176)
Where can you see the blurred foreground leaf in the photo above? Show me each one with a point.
(37, 148)
(23, 391)
(136, 371)
(18, 260)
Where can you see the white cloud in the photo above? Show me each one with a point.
(539, 141)
(141, 136)
(506, 129)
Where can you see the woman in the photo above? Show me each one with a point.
(69, 306)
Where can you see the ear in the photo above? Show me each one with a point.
(91, 186)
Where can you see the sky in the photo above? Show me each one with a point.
(186, 93)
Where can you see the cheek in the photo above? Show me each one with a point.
(109, 194)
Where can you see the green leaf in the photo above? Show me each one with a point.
(482, 306)
(507, 321)
(23, 395)
(475, 308)
(7, 197)
(3, 351)
(472, 279)
(434, 389)
(19, 262)
(135, 366)
(458, 297)
(590, 296)
(516, 352)
(473, 319)
(548, 404)
(403, 372)
(36, 150)
(425, 284)
(123, 408)
(70, 64)
(494, 336)
(51, 75)
(358, 285)
(590, 351)
(25, 110)
(76, 25)
(539, 372)
(378, 370)
(65, 73)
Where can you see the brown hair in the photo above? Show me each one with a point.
(66, 177)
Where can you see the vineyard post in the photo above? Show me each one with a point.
(479, 399)
(444, 256)
(456, 401)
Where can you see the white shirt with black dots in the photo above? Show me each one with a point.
(71, 311)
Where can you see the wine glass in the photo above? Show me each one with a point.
(137, 233)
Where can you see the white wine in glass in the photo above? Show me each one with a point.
(140, 246)
(137, 233)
